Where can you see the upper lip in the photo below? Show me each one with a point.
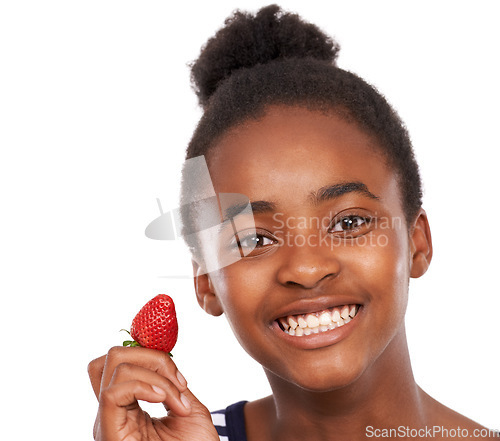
(306, 306)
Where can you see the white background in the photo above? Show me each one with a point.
(95, 113)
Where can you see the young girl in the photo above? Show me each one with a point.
(319, 292)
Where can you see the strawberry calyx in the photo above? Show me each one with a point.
(130, 343)
(133, 343)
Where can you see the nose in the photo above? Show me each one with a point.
(305, 264)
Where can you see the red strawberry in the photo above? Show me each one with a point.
(155, 325)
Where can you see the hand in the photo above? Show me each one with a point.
(126, 375)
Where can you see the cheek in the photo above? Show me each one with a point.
(245, 285)
(241, 293)
(247, 294)
(386, 268)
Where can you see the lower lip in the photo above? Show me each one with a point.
(321, 339)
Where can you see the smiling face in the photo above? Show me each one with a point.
(329, 231)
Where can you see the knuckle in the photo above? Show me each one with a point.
(91, 368)
(200, 409)
(106, 396)
(165, 361)
(115, 352)
(169, 364)
(95, 366)
(123, 368)
(204, 410)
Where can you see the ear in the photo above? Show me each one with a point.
(421, 245)
(205, 293)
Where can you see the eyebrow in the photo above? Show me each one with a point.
(336, 190)
(258, 207)
(326, 193)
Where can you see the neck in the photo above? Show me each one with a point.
(384, 396)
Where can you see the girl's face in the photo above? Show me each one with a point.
(329, 231)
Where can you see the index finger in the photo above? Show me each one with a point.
(152, 359)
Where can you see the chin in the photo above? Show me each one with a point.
(328, 381)
(324, 377)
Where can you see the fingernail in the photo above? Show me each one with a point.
(158, 390)
(185, 401)
(181, 379)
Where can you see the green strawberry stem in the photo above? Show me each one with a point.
(130, 343)
(133, 343)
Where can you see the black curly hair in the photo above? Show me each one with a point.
(275, 58)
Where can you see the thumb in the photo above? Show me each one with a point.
(191, 401)
(197, 425)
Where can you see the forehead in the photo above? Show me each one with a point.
(290, 151)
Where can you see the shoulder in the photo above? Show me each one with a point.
(230, 422)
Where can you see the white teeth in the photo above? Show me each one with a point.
(325, 318)
(292, 322)
(316, 323)
(336, 315)
(353, 310)
(345, 312)
(285, 324)
(312, 321)
(302, 322)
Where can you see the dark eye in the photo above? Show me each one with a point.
(254, 243)
(349, 223)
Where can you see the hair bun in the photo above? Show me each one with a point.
(247, 40)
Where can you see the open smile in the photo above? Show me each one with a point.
(317, 322)
(318, 329)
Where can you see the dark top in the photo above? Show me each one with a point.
(230, 422)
